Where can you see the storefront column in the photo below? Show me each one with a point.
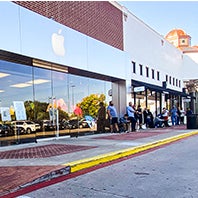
(192, 102)
(155, 103)
(119, 96)
(146, 97)
(134, 99)
(160, 102)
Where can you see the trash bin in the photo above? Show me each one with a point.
(192, 121)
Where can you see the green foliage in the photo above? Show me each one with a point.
(38, 111)
(63, 115)
(90, 104)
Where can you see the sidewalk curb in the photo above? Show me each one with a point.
(104, 158)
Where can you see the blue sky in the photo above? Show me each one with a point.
(163, 16)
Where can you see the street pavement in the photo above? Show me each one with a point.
(30, 166)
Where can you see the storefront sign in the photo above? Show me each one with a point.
(52, 114)
(20, 112)
(5, 114)
(139, 89)
(110, 92)
(186, 100)
(165, 92)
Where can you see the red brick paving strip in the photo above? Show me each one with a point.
(13, 177)
(142, 133)
(42, 151)
(129, 136)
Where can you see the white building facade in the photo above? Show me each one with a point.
(43, 62)
(155, 61)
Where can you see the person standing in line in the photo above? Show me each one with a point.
(131, 116)
(135, 116)
(165, 114)
(183, 113)
(146, 117)
(101, 118)
(174, 115)
(178, 116)
(189, 111)
(139, 116)
(150, 119)
(113, 117)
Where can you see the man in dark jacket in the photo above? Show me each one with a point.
(101, 118)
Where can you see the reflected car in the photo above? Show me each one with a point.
(24, 126)
(75, 123)
(6, 130)
(47, 125)
(64, 124)
(70, 124)
(38, 126)
(87, 123)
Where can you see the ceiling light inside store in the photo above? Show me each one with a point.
(38, 81)
(30, 83)
(21, 85)
(2, 75)
(1, 90)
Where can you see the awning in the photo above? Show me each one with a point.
(148, 86)
(173, 92)
(159, 89)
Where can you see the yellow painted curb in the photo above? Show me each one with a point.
(100, 159)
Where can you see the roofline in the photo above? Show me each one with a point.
(124, 10)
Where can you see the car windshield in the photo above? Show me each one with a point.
(20, 123)
(28, 122)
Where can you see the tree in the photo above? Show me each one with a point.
(191, 85)
(90, 104)
(38, 111)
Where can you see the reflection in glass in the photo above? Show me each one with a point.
(15, 85)
(54, 101)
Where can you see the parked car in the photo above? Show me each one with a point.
(70, 124)
(28, 126)
(47, 125)
(6, 130)
(88, 122)
(81, 123)
(64, 124)
(38, 126)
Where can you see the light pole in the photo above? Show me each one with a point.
(73, 86)
(54, 114)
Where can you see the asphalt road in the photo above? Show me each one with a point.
(168, 172)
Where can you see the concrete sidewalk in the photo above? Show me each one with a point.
(26, 165)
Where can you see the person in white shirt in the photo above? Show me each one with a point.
(183, 113)
(165, 114)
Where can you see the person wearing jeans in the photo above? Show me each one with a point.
(131, 116)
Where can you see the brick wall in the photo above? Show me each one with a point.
(97, 19)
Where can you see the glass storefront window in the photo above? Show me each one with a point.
(50, 98)
(16, 86)
(153, 100)
(15, 83)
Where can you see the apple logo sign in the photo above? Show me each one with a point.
(58, 43)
